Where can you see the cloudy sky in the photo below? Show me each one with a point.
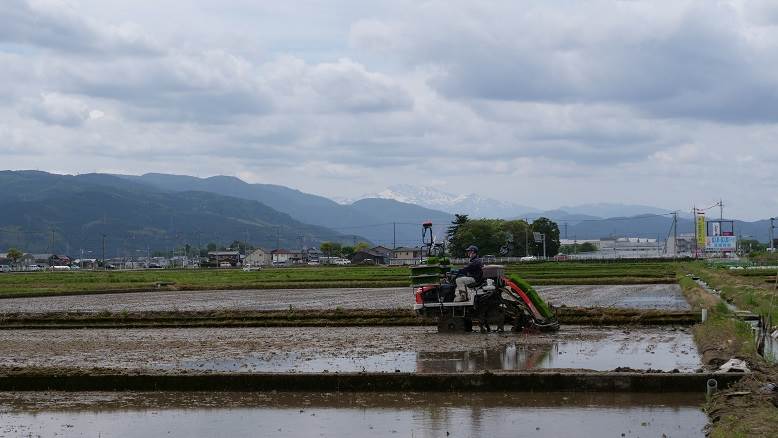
(543, 103)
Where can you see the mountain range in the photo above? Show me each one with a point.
(476, 206)
(45, 212)
(61, 213)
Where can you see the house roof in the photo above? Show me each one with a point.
(283, 251)
(218, 253)
(406, 248)
(370, 253)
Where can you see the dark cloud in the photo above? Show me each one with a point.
(696, 60)
(56, 27)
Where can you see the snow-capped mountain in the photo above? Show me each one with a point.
(475, 206)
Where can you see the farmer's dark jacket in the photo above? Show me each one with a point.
(474, 269)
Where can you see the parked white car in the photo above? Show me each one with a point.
(341, 262)
(528, 259)
(249, 268)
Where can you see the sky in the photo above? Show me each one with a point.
(542, 103)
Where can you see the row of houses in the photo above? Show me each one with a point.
(378, 255)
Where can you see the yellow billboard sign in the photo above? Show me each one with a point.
(701, 232)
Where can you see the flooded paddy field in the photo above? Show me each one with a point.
(349, 349)
(641, 296)
(281, 414)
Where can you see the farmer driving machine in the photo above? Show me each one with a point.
(499, 299)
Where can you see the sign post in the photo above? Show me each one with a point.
(540, 237)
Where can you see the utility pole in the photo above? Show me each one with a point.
(394, 235)
(675, 234)
(694, 222)
(721, 209)
(526, 238)
(565, 230)
(772, 234)
(278, 237)
(103, 244)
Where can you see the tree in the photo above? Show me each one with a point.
(330, 248)
(14, 255)
(361, 246)
(576, 248)
(486, 234)
(454, 244)
(748, 246)
(551, 230)
(518, 236)
(347, 251)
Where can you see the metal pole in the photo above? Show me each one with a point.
(675, 234)
(544, 246)
(104, 267)
(394, 235)
(694, 227)
(526, 237)
(772, 237)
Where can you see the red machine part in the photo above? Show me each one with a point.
(419, 292)
(516, 290)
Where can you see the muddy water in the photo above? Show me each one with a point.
(660, 296)
(345, 349)
(350, 415)
(642, 296)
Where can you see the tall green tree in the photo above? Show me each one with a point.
(454, 243)
(14, 255)
(330, 248)
(518, 235)
(486, 234)
(551, 230)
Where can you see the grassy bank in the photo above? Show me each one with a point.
(86, 282)
(745, 410)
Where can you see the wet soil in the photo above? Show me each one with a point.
(647, 296)
(347, 415)
(344, 349)
(257, 299)
(658, 296)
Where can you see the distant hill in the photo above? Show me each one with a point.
(654, 226)
(471, 204)
(605, 210)
(373, 222)
(45, 212)
(403, 219)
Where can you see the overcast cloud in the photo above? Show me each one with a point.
(542, 103)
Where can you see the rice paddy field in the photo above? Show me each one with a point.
(84, 282)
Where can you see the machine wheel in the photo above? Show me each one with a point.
(455, 325)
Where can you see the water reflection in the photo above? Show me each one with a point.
(601, 355)
(509, 357)
(359, 415)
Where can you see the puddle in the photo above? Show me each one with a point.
(622, 350)
(356, 415)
